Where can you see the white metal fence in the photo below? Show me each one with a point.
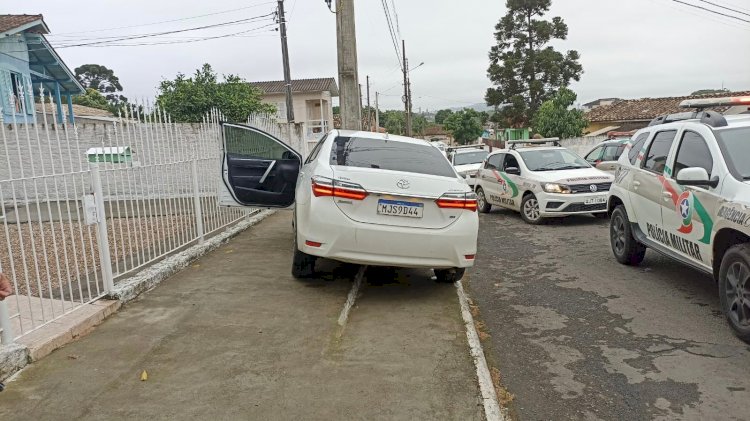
(71, 228)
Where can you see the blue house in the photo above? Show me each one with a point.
(28, 62)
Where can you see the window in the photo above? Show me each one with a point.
(495, 161)
(466, 158)
(693, 152)
(281, 111)
(510, 161)
(251, 144)
(595, 155)
(390, 155)
(636, 148)
(17, 88)
(735, 148)
(316, 150)
(656, 157)
(552, 160)
(613, 152)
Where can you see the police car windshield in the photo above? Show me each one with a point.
(465, 158)
(552, 160)
(735, 144)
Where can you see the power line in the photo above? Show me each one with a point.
(711, 11)
(395, 13)
(392, 32)
(724, 7)
(165, 21)
(236, 34)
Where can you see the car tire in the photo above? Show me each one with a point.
(625, 247)
(734, 289)
(530, 211)
(449, 276)
(303, 264)
(482, 204)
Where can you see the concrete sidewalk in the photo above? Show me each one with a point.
(235, 337)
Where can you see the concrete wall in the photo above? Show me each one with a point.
(581, 145)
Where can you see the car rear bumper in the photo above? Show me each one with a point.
(552, 205)
(349, 241)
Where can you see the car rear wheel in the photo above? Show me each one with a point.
(303, 264)
(734, 289)
(530, 209)
(625, 247)
(482, 203)
(449, 275)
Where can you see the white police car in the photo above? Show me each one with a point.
(467, 160)
(682, 189)
(540, 179)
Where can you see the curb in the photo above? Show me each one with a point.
(16, 356)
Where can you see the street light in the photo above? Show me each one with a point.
(416, 67)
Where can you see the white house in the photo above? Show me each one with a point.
(312, 102)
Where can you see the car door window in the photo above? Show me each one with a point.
(494, 162)
(693, 152)
(656, 157)
(594, 155)
(612, 152)
(636, 148)
(510, 161)
(259, 169)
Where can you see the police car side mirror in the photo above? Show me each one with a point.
(696, 176)
(513, 171)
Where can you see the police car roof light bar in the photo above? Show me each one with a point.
(702, 103)
(555, 141)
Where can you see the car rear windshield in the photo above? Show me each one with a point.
(552, 160)
(390, 155)
(735, 145)
(466, 158)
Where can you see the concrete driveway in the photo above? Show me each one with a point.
(235, 337)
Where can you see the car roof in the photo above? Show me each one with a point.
(384, 136)
(530, 148)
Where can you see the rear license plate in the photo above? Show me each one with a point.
(400, 208)
(595, 201)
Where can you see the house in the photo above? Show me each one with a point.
(28, 63)
(598, 103)
(312, 102)
(81, 113)
(634, 114)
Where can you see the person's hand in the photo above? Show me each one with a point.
(5, 288)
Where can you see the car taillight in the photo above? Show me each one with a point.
(466, 201)
(322, 186)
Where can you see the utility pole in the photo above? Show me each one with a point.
(285, 57)
(346, 42)
(407, 91)
(377, 114)
(369, 110)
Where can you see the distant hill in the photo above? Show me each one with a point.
(479, 106)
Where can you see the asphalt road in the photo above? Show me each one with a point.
(575, 335)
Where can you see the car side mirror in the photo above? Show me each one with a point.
(606, 166)
(696, 176)
(513, 171)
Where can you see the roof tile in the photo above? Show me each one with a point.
(8, 22)
(299, 85)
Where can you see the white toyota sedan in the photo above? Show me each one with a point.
(359, 197)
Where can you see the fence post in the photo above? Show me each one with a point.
(197, 202)
(102, 236)
(6, 337)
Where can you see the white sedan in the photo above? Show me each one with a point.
(359, 197)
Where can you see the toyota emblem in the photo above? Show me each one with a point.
(403, 184)
(593, 188)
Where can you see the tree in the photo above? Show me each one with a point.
(557, 118)
(92, 98)
(441, 115)
(418, 124)
(465, 125)
(524, 71)
(188, 99)
(102, 79)
(394, 121)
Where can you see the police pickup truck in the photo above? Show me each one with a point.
(682, 188)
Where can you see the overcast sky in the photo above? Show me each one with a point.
(629, 48)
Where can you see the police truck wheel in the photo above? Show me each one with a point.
(482, 203)
(625, 247)
(734, 289)
(530, 211)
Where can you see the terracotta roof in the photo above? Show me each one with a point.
(649, 108)
(435, 130)
(300, 85)
(78, 110)
(8, 22)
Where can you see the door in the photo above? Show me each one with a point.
(489, 176)
(684, 209)
(646, 194)
(595, 156)
(257, 169)
(508, 183)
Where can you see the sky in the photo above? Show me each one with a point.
(628, 48)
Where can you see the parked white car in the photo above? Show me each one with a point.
(359, 197)
(467, 160)
(541, 182)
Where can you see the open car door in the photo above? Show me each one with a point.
(257, 169)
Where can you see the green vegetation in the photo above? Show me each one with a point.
(556, 118)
